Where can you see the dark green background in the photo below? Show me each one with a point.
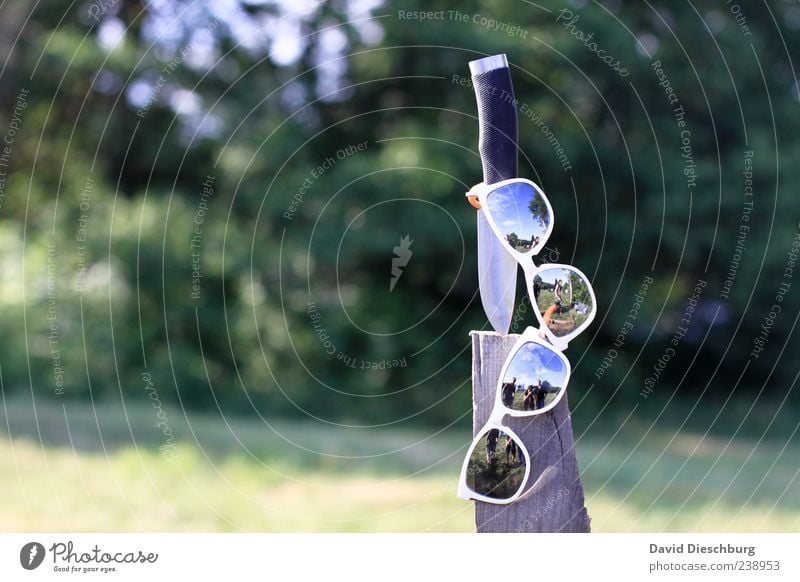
(249, 344)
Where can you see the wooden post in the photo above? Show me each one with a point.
(555, 502)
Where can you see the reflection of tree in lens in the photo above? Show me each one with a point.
(539, 210)
(580, 292)
(496, 467)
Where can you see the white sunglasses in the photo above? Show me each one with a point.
(533, 380)
(535, 374)
(516, 209)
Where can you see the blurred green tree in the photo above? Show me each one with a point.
(213, 194)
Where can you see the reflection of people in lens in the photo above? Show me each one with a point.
(494, 474)
(535, 394)
(507, 394)
(520, 244)
(529, 398)
(541, 375)
(563, 299)
(544, 388)
(557, 292)
(513, 454)
(536, 390)
(491, 446)
(556, 308)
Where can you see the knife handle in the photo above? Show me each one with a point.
(497, 117)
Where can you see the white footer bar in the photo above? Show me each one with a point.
(354, 557)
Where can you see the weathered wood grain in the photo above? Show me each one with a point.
(555, 502)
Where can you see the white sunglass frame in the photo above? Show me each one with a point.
(500, 411)
(525, 260)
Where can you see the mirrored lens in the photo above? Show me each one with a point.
(520, 213)
(496, 466)
(535, 377)
(563, 299)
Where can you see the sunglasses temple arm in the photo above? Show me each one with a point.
(544, 479)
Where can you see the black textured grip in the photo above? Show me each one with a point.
(497, 115)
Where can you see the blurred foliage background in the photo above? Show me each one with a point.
(211, 193)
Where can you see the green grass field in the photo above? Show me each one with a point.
(58, 474)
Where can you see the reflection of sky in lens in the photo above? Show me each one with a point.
(510, 209)
(550, 275)
(535, 362)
